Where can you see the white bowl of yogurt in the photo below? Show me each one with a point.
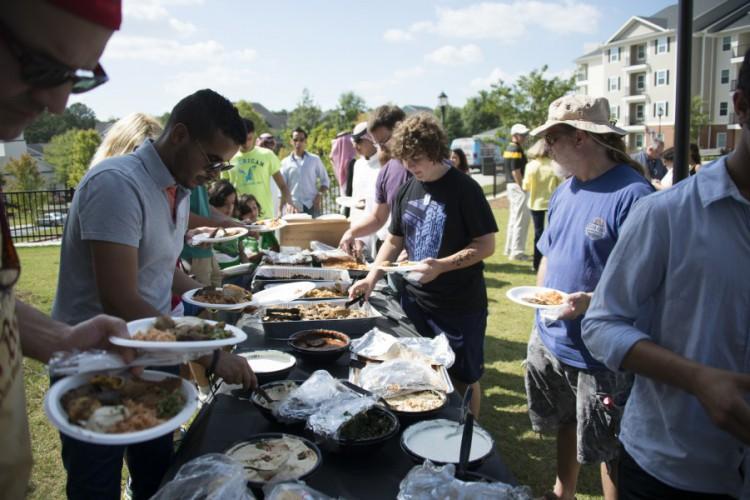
(439, 441)
(270, 365)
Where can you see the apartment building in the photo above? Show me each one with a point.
(636, 70)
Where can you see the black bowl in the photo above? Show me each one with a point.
(258, 486)
(266, 412)
(324, 354)
(361, 446)
(408, 417)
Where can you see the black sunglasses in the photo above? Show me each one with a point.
(42, 71)
(213, 166)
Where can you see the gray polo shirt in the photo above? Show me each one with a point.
(122, 200)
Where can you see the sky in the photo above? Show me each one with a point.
(404, 52)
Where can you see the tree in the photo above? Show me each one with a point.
(307, 114)
(454, 124)
(246, 110)
(164, 118)
(480, 113)
(698, 118)
(24, 174)
(70, 154)
(348, 110)
(76, 116)
(320, 142)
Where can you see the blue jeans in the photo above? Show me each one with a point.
(94, 471)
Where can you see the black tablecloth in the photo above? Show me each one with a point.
(229, 419)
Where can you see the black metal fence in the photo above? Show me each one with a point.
(37, 216)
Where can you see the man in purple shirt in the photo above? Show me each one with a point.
(391, 177)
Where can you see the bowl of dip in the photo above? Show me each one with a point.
(319, 346)
(270, 365)
(439, 441)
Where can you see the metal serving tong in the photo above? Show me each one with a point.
(358, 299)
(467, 419)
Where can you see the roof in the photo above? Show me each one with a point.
(597, 51)
(705, 13)
(275, 119)
(410, 109)
(741, 22)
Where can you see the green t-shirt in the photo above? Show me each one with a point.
(232, 248)
(198, 205)
(252, 174)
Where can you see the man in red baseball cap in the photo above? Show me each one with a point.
(48, 50)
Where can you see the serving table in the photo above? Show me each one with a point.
(228, 419)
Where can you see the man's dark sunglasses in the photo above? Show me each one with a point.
(42, 71)
(213, 166)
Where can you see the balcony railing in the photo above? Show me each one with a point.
(637, 121)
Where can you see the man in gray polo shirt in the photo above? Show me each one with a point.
(122, 238)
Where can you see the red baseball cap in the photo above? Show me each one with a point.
(107, 13)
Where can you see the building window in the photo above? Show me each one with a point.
(661, 77)
(582, 74)
(638, 141)
(614, 54)
(640, 53)
(613, 83)
(614, 113)
(723, 109)
(726, 43)
(724, 76)
(662, 45)
(721, 140)
(662, 106)
(640, 82)
(640, 114)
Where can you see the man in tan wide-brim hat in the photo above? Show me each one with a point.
(570, 394)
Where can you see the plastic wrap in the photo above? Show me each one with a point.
(399, 376)
(381, 346)
(428, 481)
(293, 490)
(96, 360)
(337, 411)
(208, 477)
(285, 259)
(309, 397)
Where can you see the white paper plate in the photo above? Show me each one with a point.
(350, 202)
(439, 441)
(282, 294)
(518, 294)
(182, 346)
(188, 297)
(400, 269)
(259, 227)
(237, 270)
(297, 217)
(331, 217)
(269, 361)
(56, 414)
(235, 233)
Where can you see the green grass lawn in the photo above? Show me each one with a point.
(530, 457)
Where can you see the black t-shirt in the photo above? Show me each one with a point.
(515, 159)
(437, 219)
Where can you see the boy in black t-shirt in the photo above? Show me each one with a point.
(442, 219)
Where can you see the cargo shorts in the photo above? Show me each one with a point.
(560, 395)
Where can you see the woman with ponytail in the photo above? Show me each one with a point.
(569, 392)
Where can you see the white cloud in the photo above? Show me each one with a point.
(510, 21)
(224, 79)
(396, 36)
(590, 46)
(183, 28)
(403, 74)
(399, 76)
(164, 51)
(495, 75)
(450, 55)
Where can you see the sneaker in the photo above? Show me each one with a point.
(521, 256)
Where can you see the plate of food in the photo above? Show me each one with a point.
(219, 235)
(179, 334)
(228, 298)
(120, 410)
(266, 225)
(404, 266)
(274, 457)
(537, 297)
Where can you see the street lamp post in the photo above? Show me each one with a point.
(660, 113)
(442, 102)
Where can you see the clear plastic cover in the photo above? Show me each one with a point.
(286, 259)
(208, 477)
(399, 376)
(378, 345)
(293, 490)
(337, 411)
(309, 397)
(66, 363)
(432, 482)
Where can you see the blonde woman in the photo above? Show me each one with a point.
(126, 135)
(539, 181)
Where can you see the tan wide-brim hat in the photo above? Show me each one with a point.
(582, 112)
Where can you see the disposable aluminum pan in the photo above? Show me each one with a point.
(285, 274)
(354, 327)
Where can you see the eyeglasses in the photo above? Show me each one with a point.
(213, 166)
(42, 71)
(551, 139)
